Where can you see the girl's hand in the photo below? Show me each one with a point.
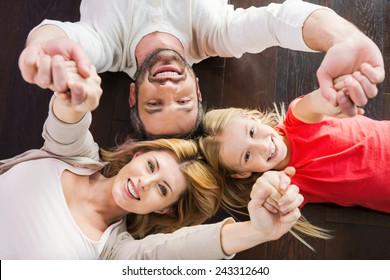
(83, 94)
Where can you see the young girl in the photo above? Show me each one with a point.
(62, 202)
(337, 160)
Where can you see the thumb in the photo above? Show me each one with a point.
(82, 61)
(326, 85)
(289, 171)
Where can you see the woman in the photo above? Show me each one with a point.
(54, 208)
(62, 202)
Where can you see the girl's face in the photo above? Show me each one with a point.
(250, 146)
(150, 182)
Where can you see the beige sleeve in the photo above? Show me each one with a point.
(202, 242)
(69, 140)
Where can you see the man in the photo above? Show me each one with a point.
(156, 42)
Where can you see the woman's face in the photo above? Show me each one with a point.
(150, 182)
(250, 146)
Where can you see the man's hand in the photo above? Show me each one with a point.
(37, 67)
(359, 56)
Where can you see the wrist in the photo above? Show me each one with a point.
(44, 33)
(324, 29)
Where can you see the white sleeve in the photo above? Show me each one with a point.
(234, 32)
(99, 48)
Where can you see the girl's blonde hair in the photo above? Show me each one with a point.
(199, 202)
(236, 191)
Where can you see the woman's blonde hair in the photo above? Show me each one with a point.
(236, 191)
(198, 203)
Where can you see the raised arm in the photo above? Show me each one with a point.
(312, 107)
(348, 51)
(66, 130)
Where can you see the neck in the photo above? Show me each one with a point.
(94, 194)
(154, 41)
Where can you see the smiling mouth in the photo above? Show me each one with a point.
(132, 189)
(166, 72)
(273, 150)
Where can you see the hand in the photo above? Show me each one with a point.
(356, 55)
(84, 93)
(36, 63)
(275, 223)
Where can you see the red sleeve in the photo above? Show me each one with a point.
(290, 119)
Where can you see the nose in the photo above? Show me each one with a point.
(145, 183)
(260, 147)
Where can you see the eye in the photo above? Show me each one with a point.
(247, 156)
(151, 166)
(154, 103)
(183, 101)
(163, 190)
(251, 132)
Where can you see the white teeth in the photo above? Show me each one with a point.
(167, 74)
(131, 190)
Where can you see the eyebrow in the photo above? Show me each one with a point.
(158, 110)
(158, 168)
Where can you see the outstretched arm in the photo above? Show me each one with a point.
(66, 128)
(312, 107)
(219, 240)
(348, 51)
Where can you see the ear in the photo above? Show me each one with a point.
(199, 93)
(241, 175)
(164, 211)
(137, 154)
(132, 95)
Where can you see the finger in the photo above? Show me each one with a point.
(290, 200)
(28, 63)
(264, 184)
(289, 171)
(346, 106)
(44, 78)
(270, 207)
(78, 95)
(82, 61)
(259, 198)
(291, 217)
(340, 79)
(326, 85)
(271, 180)
(285, 179)
(64, 97)
(355, 91)
(375, 75)
(60, 76)
(369, 89)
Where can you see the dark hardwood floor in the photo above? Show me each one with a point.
(275, 75)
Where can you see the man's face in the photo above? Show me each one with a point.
(167, 93)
